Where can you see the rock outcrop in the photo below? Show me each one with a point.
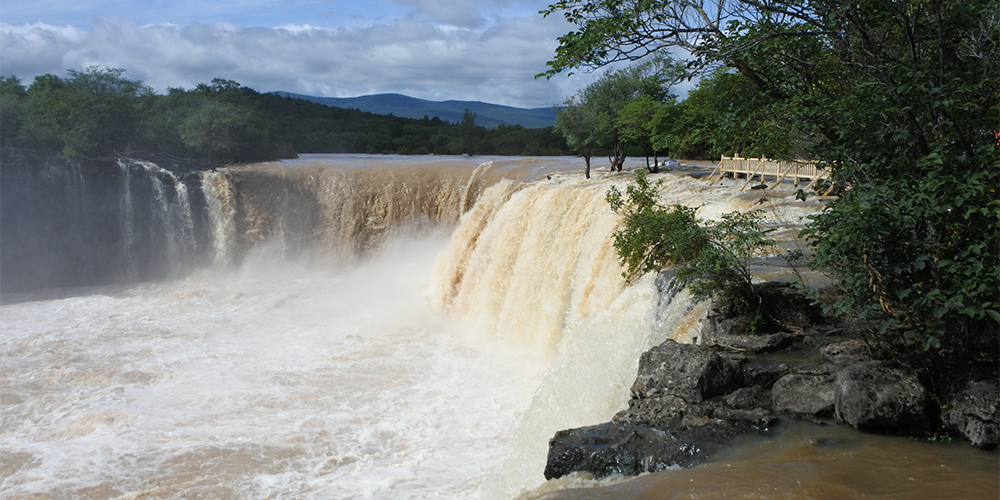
(689, 400)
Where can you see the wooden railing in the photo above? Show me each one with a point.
(750, 168)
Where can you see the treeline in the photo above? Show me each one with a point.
(632, 112)
(98, 112)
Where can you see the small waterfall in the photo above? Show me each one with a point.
(161, 228)
(126, 220)
(339, 215)
(677, 315)
(76, 188)
(182, 216)
(222, 215)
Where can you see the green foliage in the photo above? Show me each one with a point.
(710, 257)
(653, 237)
(726, 114)
(914, 239)
(901, 98)
(613, 112)
(12, 110)
(91, 112)
(470, 132)
(97, 112)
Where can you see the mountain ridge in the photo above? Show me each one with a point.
(487, 114)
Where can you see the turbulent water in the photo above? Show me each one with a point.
(345, 327)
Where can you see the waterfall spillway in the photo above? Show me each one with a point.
(529, 261)
(85, 224)
(533, 264)
(308, 363)
(221, 206)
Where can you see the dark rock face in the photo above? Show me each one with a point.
(729, 332)
(690, 400)
(975, 413)
(808, 392)
(879, 395)
(845, 353)
(687, 400)
(687, 371)
(609, 448)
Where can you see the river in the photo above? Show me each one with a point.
(373, 327)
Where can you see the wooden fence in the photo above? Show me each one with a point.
(750, 168)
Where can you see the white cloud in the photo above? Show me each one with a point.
(419, 57)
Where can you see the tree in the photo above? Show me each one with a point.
(216, 129)
(114, 110)
(637, 126)
(12, 111)
(899, 96)
(613, 31)
(470, 132)
(90, 113)
(593, 120)
(577, 121)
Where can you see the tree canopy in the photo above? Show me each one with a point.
(614, 112)
(899, 96)
(98, 112)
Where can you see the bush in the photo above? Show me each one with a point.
(711, 258)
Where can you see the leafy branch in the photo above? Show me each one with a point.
(710, 257)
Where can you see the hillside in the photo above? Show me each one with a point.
(487, 115)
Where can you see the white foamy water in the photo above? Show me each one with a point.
(282, 383)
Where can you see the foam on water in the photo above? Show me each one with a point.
(437, 368)
(290, 385)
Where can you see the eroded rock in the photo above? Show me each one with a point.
(881, 395)
(690, 372)
(975, 413)
(806, 392)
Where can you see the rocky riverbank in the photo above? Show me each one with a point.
(742, 376)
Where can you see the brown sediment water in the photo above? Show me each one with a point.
(384, 327)
(806, 461)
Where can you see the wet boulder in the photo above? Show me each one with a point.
(690, 372)
(807, 392)
(609, 448)
(975, 413)
(845, 353)
(687, 400)
(882, 396)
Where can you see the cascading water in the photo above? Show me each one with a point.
(336, 331)
(290, 377)
(222, 214)
(127, 224)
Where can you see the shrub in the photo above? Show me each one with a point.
(710, 257)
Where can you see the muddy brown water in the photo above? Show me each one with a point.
(805, 461)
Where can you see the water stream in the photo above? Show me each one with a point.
(369, 327)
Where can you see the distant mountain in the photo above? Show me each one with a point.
(487, 115)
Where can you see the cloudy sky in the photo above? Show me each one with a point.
(484, 50)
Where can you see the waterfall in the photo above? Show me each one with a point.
(222, 215)
(533, 263)
(126, 220)
(421, 330)
(183, 217)
(174, 220)
(148, 222)
(530, 261)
